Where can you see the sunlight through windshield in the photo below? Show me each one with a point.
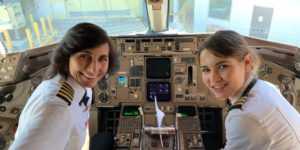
(26, 24)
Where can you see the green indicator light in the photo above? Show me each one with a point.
(131, 111)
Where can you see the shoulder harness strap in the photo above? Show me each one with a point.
(66, 93)
(238, 104)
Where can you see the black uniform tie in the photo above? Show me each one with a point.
(84, 99)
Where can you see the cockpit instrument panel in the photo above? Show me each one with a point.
(19, 66)
(165, 66)
(168, 66)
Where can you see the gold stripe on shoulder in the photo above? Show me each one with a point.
(66, 92)
(66, 85)
(64, 98)
(238, 104)
(239, 101)
(63, 88)
(242, 100)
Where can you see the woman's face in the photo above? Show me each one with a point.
(223, 76)
(89, 66)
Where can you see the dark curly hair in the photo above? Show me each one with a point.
(78, 38)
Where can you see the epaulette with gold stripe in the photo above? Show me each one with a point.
(238, 104)
(66, 92)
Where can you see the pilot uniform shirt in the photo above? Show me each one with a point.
(54, 119)
(266, 121)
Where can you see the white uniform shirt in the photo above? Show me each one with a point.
(266, 122)
(47, 121)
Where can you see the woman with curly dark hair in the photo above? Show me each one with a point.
(56, 115)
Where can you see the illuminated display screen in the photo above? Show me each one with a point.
(158, 68)
(122, 81)
(159, 89)
(131, 111)
(187, 111)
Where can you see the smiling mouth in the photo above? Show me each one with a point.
(219, 88)
(90, 77)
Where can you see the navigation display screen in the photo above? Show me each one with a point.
(158, 68)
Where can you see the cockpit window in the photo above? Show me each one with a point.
(26, 24)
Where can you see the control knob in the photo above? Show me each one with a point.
(103, 97)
